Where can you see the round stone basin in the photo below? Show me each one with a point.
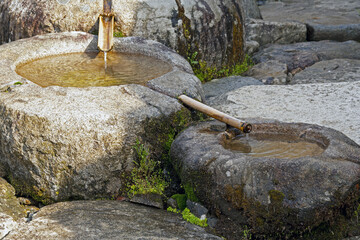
(282, 177)
(89, 69)
(76, 142)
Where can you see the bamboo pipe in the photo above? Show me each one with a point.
(212, 112)
(106, 27)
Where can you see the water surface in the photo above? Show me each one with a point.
(273, 146)
(89, 70)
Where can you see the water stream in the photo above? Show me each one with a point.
(105, 60)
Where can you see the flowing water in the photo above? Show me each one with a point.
(92, 69)
(105, 60)
(273, 146)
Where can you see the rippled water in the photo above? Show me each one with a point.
(88, 69)
(273, 146)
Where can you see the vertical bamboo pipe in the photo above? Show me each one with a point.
(212, 112)
(106, 27)
(107, 5)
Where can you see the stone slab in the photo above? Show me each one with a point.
(334, 105)
(325, 19)
(305, 54)
(107, 220)
(324, 12)
(336, 70)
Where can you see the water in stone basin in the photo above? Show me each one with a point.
(273, 146)
(88, 69)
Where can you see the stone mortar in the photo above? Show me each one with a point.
(276, 197)
(60, 143)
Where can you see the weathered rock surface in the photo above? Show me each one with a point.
(270, 72)
(217, 87)
(59, 143)
(340, 33)
(326, 19)
(11, 213)
(302, 55)
(334, 105)
(107, 220)
(251, 9)
(336, 70)
(324, 12)
(186, 26)
(265, 32)
(274, 196)
(251, 47)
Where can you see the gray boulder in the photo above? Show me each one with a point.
(270, 72)
(59, 143)
(332, 71)
(107, 220)
(186, 26)
(302, 55)
(251, 9)
(275, 196)
(265, 32)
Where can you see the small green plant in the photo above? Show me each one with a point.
(189, 191)
(247, 234)
(173, 210)
(205, 73)
(180, 200)
(188, 216)
(357, 213)
(191, 218)
(118, 34)
(145, 177)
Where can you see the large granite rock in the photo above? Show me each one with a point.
(325, 19)
(265, 32)
(334, 105)
(336, 70)
(302, 55)
(278, 198)
(11, 213)
(59, 143)
(213, 28)
(106, 220)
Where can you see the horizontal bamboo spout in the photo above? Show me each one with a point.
(106, 27)
(212, 112)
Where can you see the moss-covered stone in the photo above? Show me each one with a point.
(9, 205)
